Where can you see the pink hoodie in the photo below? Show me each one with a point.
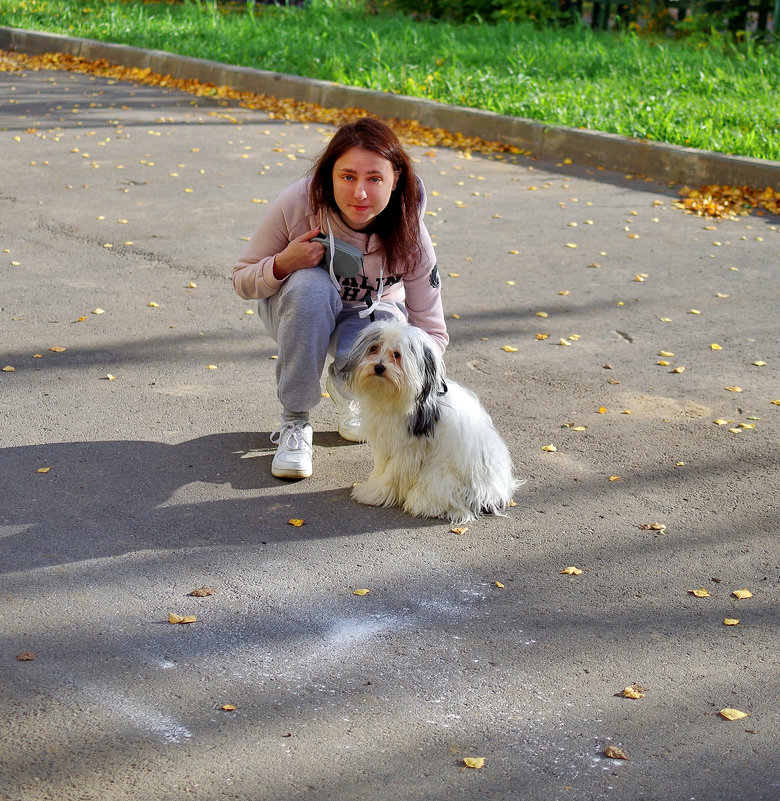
(290, 215)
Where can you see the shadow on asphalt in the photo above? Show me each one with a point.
(102, 499)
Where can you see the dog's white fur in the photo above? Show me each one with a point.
(436, 451)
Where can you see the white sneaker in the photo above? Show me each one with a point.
(348, 411)
(293, 456)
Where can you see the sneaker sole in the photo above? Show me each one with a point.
(350, 436)
(282, 472)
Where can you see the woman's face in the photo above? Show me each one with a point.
(362, 184)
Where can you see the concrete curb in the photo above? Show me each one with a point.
(610, 151)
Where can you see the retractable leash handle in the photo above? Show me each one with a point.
(344, 259)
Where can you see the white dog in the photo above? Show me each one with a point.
(436, 451)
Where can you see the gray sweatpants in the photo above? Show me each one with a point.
(308, 320)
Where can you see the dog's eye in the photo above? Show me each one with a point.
(373, 349)
(397, 355)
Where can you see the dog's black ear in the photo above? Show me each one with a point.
(427, 412)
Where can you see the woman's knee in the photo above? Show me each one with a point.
(308, 293)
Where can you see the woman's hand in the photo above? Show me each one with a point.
(300, 254)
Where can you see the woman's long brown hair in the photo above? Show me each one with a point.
(398, 226)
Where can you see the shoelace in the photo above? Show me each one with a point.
(295, 440)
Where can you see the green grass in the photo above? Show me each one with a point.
(712, 93)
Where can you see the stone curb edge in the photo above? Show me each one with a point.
(638, 156)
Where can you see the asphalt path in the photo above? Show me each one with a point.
(135, 467)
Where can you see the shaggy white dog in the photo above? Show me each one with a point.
(436, 451)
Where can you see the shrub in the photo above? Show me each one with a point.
(539, 11)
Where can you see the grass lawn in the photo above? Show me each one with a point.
(708, 93)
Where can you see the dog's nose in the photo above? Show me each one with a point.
(379, 368)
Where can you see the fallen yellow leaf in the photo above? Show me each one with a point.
(733, 714)
(730, 621)
(613, 752)
(474, 762)
(632, 692)
(459, 530)
(702, 593)
(541, 337)
(549, 448)
(294, 521)
(571, 571)
(110, 377)
(759, 364)
(509, 349)
(741, 595)
(733, 389)
(678, 369)
(665, 353)
(211, 367)
(499, 585)
(98, 311)
(57, 349)
(174, 618)
(715, 346)
(721, 422)
(228, 707)
(43, 469)
(361, 592)
(9, 369)
(601, 410)
(153, 305)
(614, 478)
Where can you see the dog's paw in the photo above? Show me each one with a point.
(374, 493)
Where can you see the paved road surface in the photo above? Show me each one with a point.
(119, 197)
